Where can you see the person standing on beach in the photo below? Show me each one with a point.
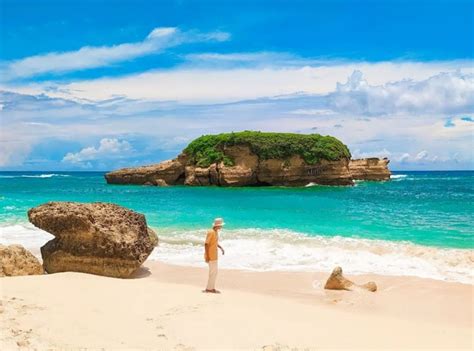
(210, 254)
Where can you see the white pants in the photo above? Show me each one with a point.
(211, 282)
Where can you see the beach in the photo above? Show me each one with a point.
(314, 156)
(163, 307)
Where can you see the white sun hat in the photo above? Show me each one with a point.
(218, 222)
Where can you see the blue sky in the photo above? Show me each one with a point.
(96, 85)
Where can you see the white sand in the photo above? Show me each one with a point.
(165, 309)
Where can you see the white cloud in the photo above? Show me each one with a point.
(161, 32)
(108, 148)
(412, 85)
(313, 112)
(252, 59)
(404, 158)
(14, 152)
(98, 56)
(132, 108)
(441, 93)
(422, 155)
(357, 153)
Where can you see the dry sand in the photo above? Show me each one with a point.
(163, 308)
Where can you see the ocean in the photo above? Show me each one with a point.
(419, 223)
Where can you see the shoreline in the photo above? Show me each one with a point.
(163, 307)
(260, 250)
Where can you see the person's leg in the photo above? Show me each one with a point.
(211, 282)
(216, 269)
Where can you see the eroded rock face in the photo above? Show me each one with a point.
(169, 172)
(337, 281)
(295, 172)
(248, 170)
(16, 260)
(98, 238)
(370, 169)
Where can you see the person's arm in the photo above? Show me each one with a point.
(206, 250)
(222, 250)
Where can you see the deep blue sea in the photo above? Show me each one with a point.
(418, 223)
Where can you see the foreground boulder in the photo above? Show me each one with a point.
(16, 260)
(97, 238)
(370, 169)
(337, 281)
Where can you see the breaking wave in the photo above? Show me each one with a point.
(47, 175)
(398, 176)
(284, 250)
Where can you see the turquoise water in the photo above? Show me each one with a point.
(419, 222)
(428, 208)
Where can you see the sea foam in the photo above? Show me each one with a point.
(398, 176)
(46, 175)
(284, 250)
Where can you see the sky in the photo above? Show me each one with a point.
(99, 85)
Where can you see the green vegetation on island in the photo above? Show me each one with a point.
(313, 148)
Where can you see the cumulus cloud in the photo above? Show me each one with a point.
(108, 148)
(88, 57)
(441, 93)
(423, 158)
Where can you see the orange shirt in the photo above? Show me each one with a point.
(211, 241)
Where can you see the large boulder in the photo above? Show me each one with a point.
(16, 260)
(98, 238)
(370, 169)
(337, 281)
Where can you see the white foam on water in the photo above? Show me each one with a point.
(398, 176)
(285, 250)
(24, 234)
(48, 175)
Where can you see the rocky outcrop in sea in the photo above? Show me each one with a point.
(257, 159)
(98, 238)
(370, 169)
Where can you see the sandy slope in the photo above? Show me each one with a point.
(165, 309)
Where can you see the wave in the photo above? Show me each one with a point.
(24, 234)
(284, 250)
(398, 176)
(47, 175)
